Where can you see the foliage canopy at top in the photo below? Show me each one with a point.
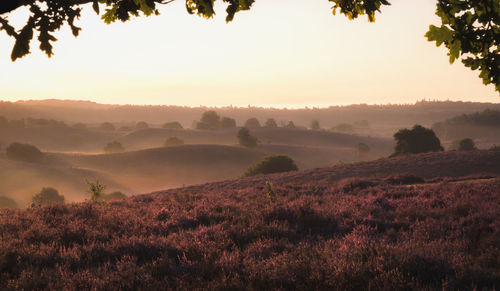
(470, 29)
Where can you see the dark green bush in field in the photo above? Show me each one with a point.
(363, 147)
(96, 191)
(246, 139)
(24, 152)
(315, 125)
(466, 144)
(117, 195)
(416, 140)
(173, 141)
(290, 125)
(114, 147)
(272, 164)
(47, 196)
(210, 120)
(6, 202)
(227, 122)
(172, 125)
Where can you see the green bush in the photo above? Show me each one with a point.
(271, 122)
(173, 141)
(96, 191)
(47, 196)
(272, 164)
(227, 122)
(6, 202)
(246, 139)
(315, 125)
(210, 120)
(114, 147)
(107, 126)
(141, 125)
(24, 152)
(363, 147)
(252, 122)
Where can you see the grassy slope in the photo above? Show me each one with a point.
(316, 235)
(20, 180)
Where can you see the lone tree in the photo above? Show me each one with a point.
(47, 196)
(272, 164)
(210, 120)
(141, 125)
(24, 152)
(271, 122)
(416, 140)
(466, 144)
(315, 125)
(252, 122)
(107, 126)
(363, 148)
(246, 139)
(469, 29)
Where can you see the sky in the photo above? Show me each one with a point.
(282, 53)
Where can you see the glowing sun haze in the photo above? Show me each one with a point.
(280, 53)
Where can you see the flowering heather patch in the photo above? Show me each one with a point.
(316, 235)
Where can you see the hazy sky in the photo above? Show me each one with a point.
(281, 53)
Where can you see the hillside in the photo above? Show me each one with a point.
(21, 180)
(319, 230)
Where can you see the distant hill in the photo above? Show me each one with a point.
(383, 119)
(485, 124)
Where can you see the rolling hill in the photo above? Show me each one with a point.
(348, 227)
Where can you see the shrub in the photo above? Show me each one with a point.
(96, 191)
(7, 202)
(271, 122)
(416, 140)
(363, 147)
(172, 125)
(272, 164)
(47, 196)
(466, 144)
(173, 141)
(315, 125)
(141, 125)
(114, 147)
(24, 152)
(117, 195)
(350, 184)
(252, 122)
(227, 122)
(246, 139)
(107, 126)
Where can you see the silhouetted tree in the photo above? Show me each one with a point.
(227, 122)
(466, 144)
(172, 125)
(47, 196)
(246, 139)
(272, 164)
(271, 122)
(114, 147)
(210, 120)
(173, 141)
(24, 152)
(107, 126)
(141, 125)
(252, 122)
(416, 140)
(315, 125)
(96, 191)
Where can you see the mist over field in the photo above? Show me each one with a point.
(73, 136)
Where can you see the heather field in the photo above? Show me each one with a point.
(426, 222)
